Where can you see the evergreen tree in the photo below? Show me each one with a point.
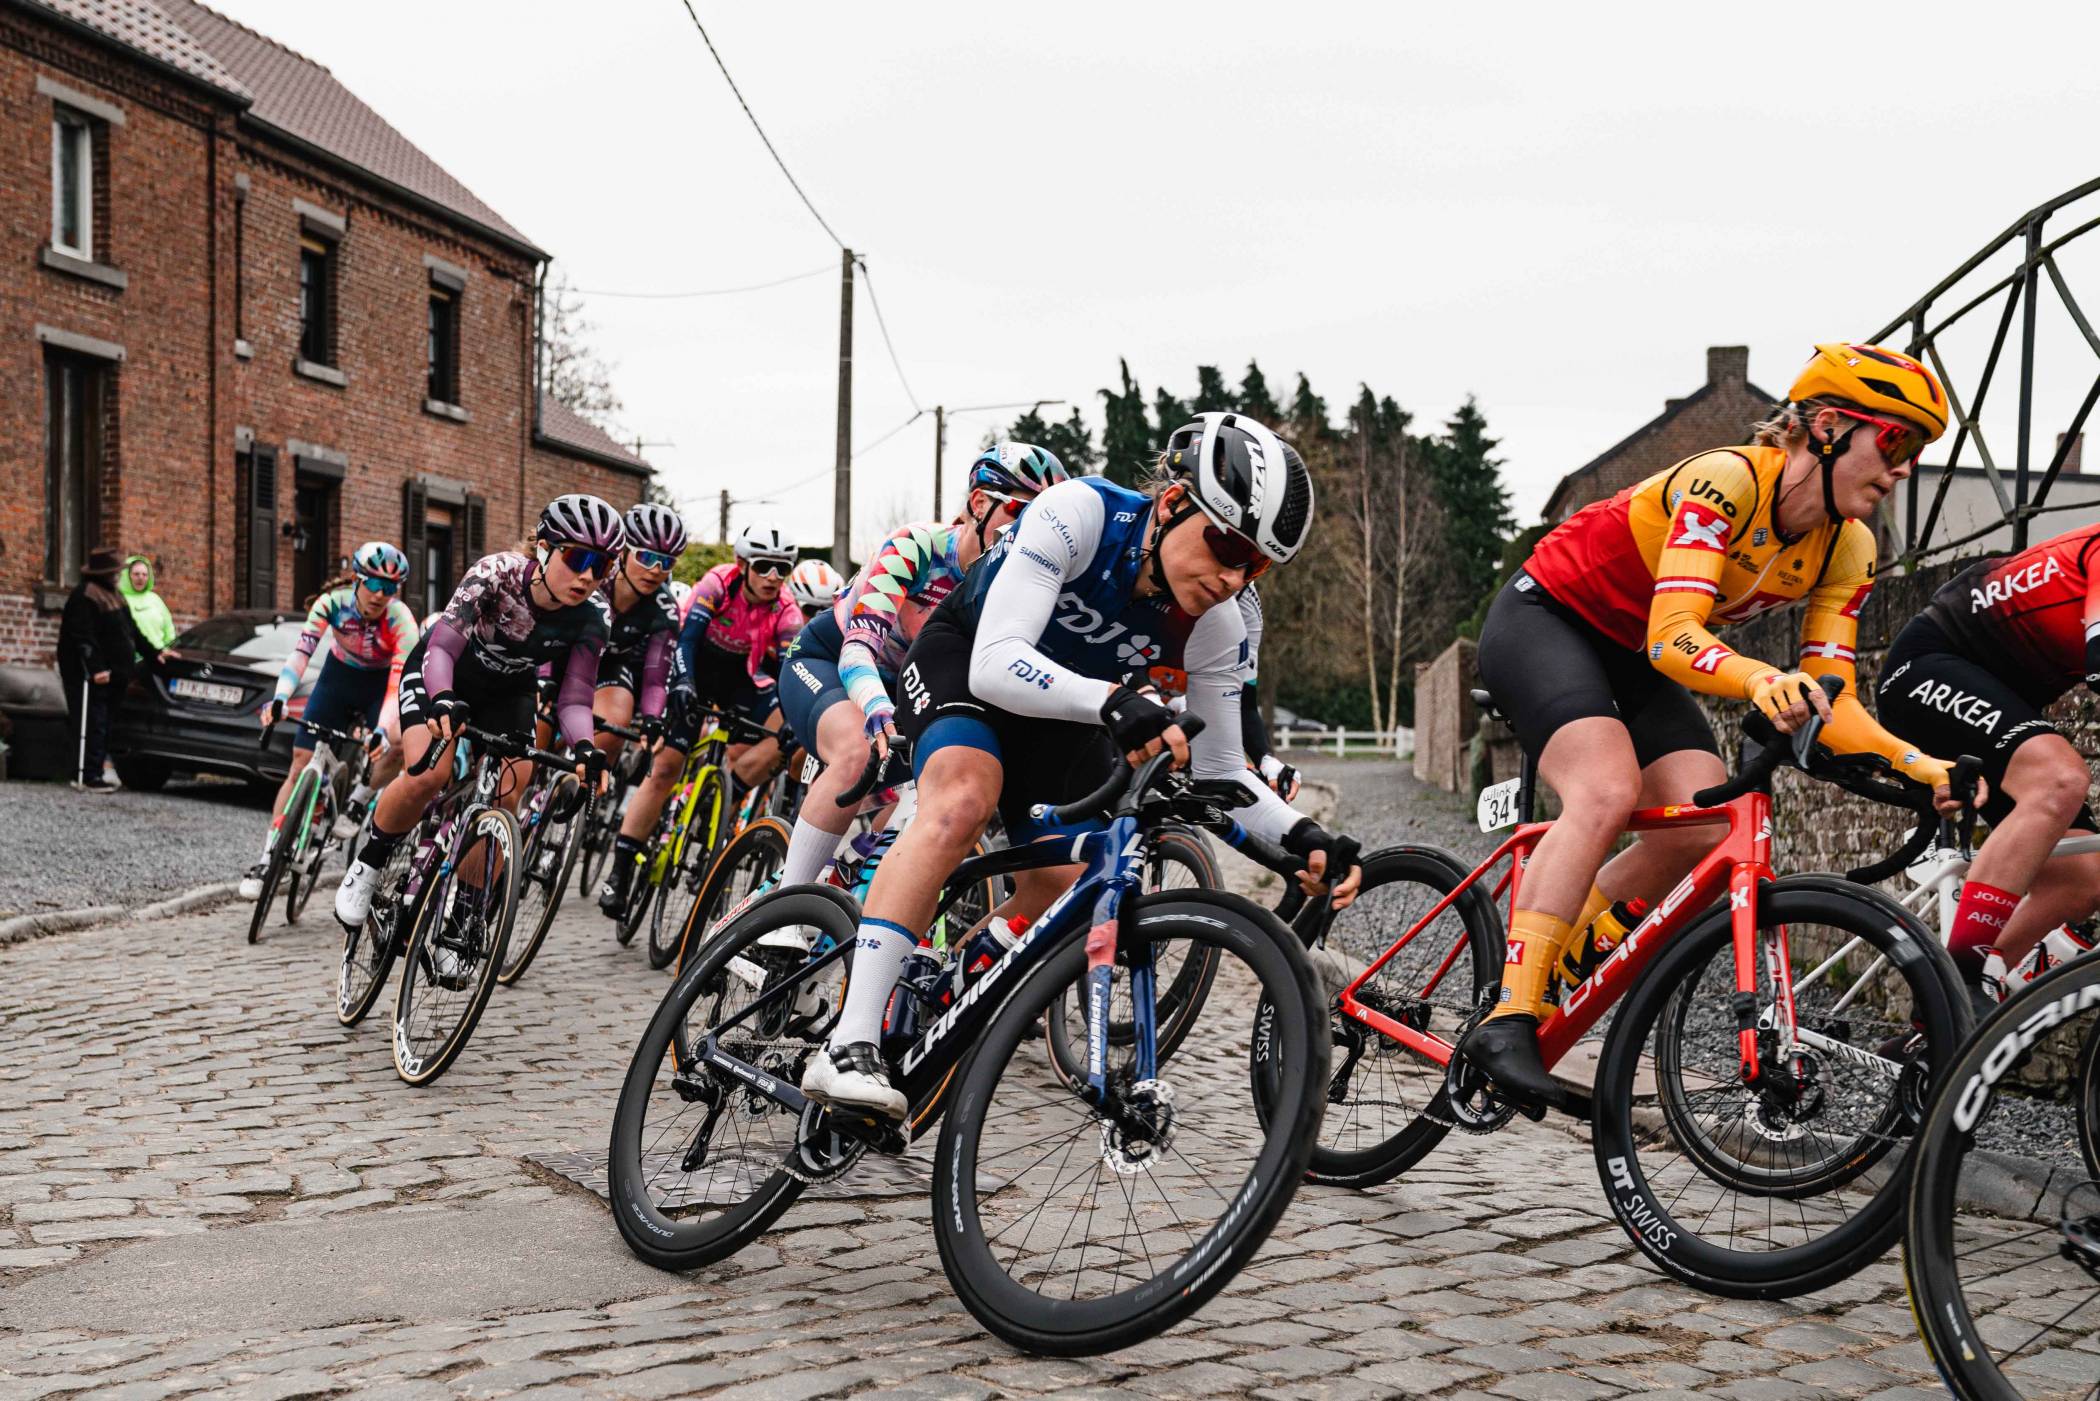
(1475, 503)
(1169, 413)
(1255, 399)
(1308, 416)
(1028, 428)
(1072, 440)
(1212, 393)
(1127, 443)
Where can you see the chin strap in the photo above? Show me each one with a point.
(1827, 454)
(1159, 564)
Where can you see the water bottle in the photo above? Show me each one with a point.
(983, 949)
(900, 1027)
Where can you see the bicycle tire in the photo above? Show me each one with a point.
(750, 858)
(1655, 1216)
(521, 953)
(320, 829)
(598, 843)
(1964, 1348)
(1357, 1145)
(414, 1064)
(655, 1236)
(641, 894)
(1248, 1212)
(1180, 994)
(370, 949)
(280, 855)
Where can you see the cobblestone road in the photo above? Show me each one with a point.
(207, 1185)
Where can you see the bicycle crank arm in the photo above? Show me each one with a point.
(771, 1086)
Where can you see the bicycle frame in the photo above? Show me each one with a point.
(1734, 867)
(705, 755)
(1113, 858)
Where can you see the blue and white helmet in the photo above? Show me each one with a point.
(1017, 469)
(376, 559)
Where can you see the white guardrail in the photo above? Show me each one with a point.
(1395, 743)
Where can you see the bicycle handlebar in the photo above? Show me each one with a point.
(880, 765)
(502, 745)
(1757, 770)
(1120, 780)
(623, 731)
(328, 732)
(1931, 827)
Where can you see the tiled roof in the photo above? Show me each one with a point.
(562, 426)
(287, 91)
(148, 29)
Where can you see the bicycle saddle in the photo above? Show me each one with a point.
(1486, 701)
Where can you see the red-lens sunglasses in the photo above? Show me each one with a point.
(1229, 547)
(1897, 442)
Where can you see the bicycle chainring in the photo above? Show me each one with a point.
(1474, 1105)
(821, 1155)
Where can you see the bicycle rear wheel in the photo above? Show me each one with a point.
(1777, 1188)
(1182, 973)
(1386, 1104)
(281, 851)
(2002, 1254)
(700, 1163)
(701, 895)
(1168, 1190)
(550, 845)
(370, 949)
(457, 948)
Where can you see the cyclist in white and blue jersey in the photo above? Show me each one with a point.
(1011, 682)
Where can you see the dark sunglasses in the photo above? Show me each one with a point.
(771, 568)
(381, 586)
(1230, 548)
(654, 559)
(581, 559)
(1897, 442)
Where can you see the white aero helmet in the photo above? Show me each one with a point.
(815, 585)
(765, 542)
(1245, 478)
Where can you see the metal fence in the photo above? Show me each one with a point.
(1971, 289)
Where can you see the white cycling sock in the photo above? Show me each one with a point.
(269, 843)
(879, 951)
(810, 850)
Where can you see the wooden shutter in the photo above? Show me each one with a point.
(262, 528)
(471, 542)
(415, 514)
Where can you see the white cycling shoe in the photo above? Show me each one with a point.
(251, 884)
(853, 1077)
(353, 899)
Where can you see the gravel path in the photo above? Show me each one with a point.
(62, 850)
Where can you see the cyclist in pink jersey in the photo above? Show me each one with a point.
(738, 621)
(370, 633)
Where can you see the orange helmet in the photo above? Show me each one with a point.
(1875, 378)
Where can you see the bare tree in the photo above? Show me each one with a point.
(575, 376)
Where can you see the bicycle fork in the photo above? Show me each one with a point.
(1742, 914)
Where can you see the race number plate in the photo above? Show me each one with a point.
(811, 767)
(1498, 805)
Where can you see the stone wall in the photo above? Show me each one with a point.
(1446, 718)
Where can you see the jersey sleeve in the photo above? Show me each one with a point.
(1054, 541)
(1688, 581)
(403, 634)
(871, 618)
(1829, 635)
(701, 605)
(1212, 657)
(303, 648)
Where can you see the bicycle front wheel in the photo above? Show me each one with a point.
(1775, 1188)
(697, 896)
(306, 874)
(1073, 1230)
(457, 948)
(543, 873)
(2002, 1255)
(370, 949)
(280, 863)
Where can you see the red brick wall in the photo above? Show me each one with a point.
(155, 224)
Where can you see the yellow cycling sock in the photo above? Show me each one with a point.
(1535, 942)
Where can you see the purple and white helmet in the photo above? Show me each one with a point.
(657, 528)
(577, 519)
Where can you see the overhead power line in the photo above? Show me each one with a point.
(797, 186)
(868, 278)
(707, 292)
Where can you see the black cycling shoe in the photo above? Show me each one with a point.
(612, 896)
(1506, 1050)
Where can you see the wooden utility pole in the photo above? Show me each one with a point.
(725, 516)
(940, 441)
(842, 480)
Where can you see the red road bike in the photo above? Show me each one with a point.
(1752, 1135)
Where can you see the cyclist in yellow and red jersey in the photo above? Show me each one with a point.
(1594, 647)
(1971, 673)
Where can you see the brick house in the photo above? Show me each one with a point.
(1717, 413)
(246, 324)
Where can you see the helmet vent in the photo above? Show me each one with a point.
(1297, 503)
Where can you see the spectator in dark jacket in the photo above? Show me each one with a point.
(97, 642)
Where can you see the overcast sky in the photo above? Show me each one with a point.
(1555, 208)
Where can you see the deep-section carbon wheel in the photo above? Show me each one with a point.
(453, 957)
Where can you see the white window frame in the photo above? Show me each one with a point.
(65, 121)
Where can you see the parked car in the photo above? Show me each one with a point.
(201, 714)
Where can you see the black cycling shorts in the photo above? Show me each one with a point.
(499, 709)
(1044, 761)
(1547, 666)
(1948, 705)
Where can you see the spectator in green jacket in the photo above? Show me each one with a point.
(156, 624)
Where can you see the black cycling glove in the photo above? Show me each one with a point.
(1134, 720)
(588, 755)
(447, 705)
(1307, 836)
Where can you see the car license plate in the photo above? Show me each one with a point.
(205, 691)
